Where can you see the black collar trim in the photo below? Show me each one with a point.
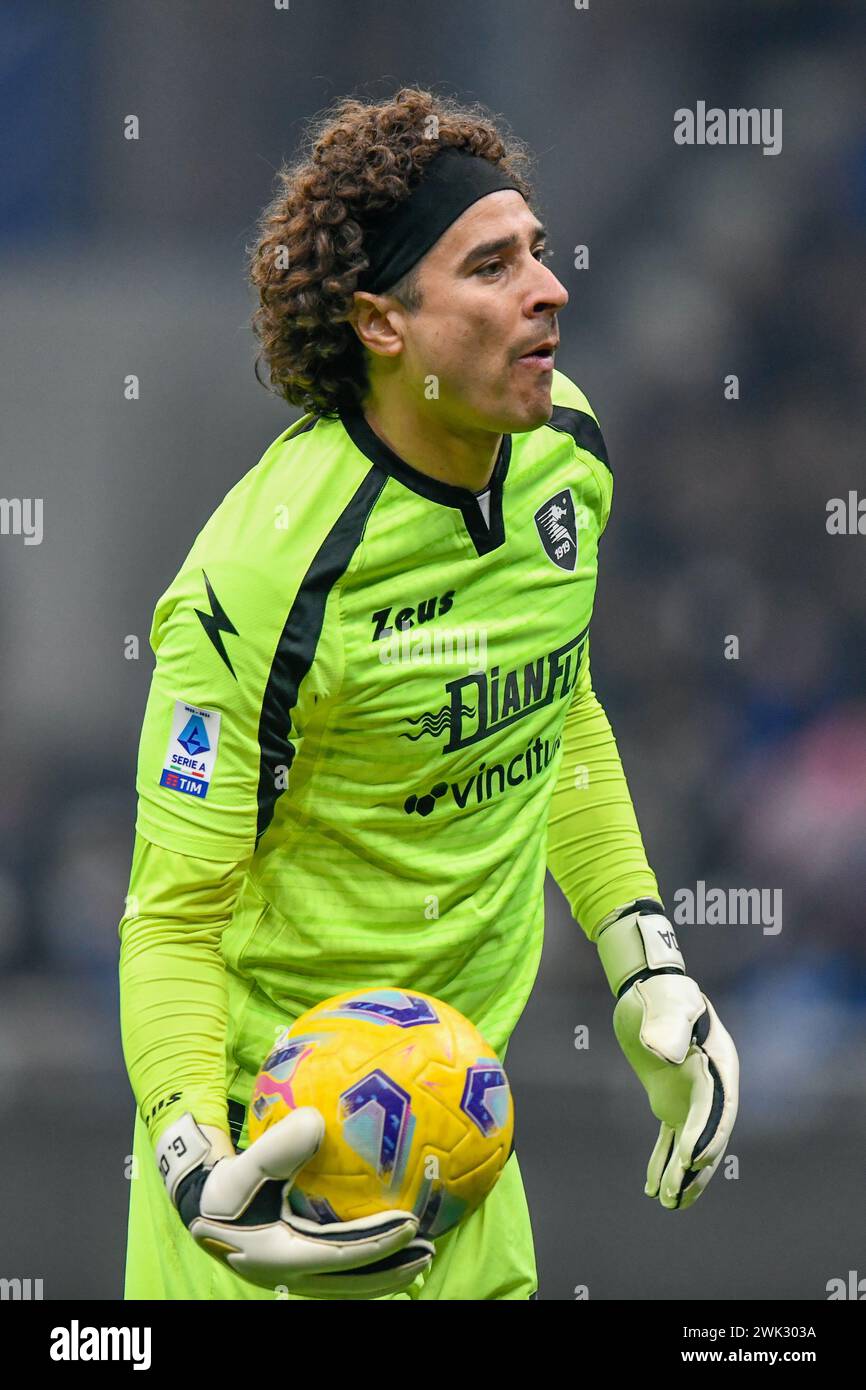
(485, 538)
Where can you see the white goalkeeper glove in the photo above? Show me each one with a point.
(671, 1035)
(236, 1207)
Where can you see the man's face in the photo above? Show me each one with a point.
(487, 300)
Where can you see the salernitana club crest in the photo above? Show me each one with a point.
(557, 528)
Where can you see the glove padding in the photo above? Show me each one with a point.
(237, 1209)
(687, 1061)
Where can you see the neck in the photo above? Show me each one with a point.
(431, 444)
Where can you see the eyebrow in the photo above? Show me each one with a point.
(503, 243)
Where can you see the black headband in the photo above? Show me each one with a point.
(452, 181)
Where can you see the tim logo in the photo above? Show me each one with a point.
(558, 530)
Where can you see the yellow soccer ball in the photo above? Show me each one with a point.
(417, 1107)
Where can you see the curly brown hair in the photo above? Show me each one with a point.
(361, 158)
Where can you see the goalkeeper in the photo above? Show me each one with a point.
(326, 799)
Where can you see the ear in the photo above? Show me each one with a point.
(377, 320)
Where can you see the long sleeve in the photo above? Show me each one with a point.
(595, 851)
(173, 990)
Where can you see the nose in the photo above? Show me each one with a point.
(548, 292)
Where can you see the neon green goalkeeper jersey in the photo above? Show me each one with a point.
(362, 684)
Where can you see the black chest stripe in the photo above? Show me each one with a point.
(299, 639)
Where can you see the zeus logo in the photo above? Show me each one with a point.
(216, 623)
(406, 618)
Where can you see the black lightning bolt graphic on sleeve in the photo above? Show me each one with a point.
(217, 622)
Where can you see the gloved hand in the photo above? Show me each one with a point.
(672, 1036)
(235, 1206)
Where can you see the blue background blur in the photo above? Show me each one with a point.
(128, 257)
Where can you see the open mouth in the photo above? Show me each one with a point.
(541, 358)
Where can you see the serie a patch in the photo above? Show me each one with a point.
(192, 749)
